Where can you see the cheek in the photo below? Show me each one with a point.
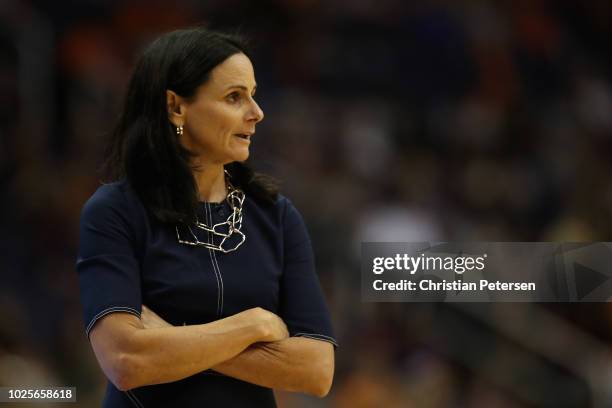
(215, 122)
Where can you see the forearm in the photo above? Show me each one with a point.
(294, 364)
(171, 354)
(161, 355)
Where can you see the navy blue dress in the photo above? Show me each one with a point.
(127, 259)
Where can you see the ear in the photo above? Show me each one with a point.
(176, 108)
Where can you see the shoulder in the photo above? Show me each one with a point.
(290, 217)
(280, 214)
(294, 231)
(290, 214)
(112, 216)
(118, 193)
(108, 194)
(280, 209)
(116, 201)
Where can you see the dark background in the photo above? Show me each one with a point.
(387, 120)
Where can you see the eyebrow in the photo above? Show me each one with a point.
(240, 87)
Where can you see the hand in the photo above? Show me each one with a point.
(151, 320)
(273, 327)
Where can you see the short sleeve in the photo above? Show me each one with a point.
(109, 273)
(302, 305)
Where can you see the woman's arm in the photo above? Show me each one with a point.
(131, 356)
(294, 364)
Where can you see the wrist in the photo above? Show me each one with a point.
(252, 321)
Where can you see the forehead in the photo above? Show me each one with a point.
(235, 70)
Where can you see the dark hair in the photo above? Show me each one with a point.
(144, 148)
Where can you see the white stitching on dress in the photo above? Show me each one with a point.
(221, 279)
(107, 311)
(210, 254)
(318, 337)
(133, 398)
(314, 334)
(218, 271)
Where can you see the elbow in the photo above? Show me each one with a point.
(321, 390)
(322, 380)
(120, 351)
(123, 373)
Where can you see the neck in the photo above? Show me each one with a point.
(210, 181)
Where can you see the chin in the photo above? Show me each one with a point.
(240, 156)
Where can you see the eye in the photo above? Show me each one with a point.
(233, 97)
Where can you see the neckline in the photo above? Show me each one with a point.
(213, 204)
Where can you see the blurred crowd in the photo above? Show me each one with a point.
(385, 120)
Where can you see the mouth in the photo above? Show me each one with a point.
(245, 136)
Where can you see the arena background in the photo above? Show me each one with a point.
(387, 120)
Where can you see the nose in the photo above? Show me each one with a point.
(255, 114)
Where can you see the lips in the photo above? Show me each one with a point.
(245, 136)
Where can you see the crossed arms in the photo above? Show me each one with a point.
(252, 346)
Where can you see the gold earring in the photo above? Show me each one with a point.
(179, 130)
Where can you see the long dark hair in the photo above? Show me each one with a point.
(144, 148)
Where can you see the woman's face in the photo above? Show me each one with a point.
(220, 120)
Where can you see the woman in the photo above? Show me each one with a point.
(221, 261)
